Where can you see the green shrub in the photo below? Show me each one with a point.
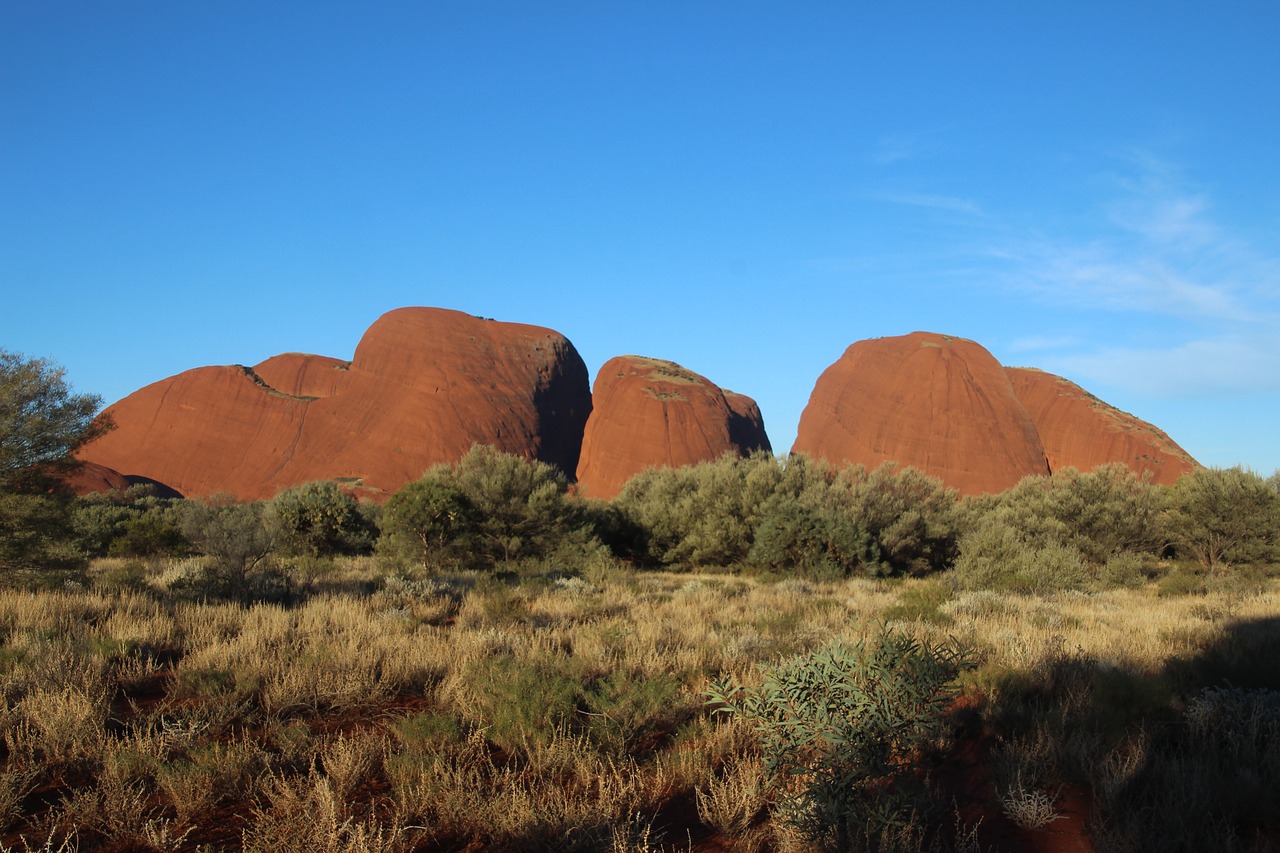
(237, 537)
(1225, 516)
(700, 515)
(995, 556)
(430, 522)
(921, 602)
(909, 516)
(625, 709)
(321, 520)
(1181, 581)
(521, 701)
(148, 534)
(840, 728)
(36, 537)
(813, 542)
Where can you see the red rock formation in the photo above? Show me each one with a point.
(746, 424)
(1080, 431)
(303, 375)
(425, 384)
(90, 478)
(207, 430)
(649, 412)
(941, 404)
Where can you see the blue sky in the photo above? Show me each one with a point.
(745, 188)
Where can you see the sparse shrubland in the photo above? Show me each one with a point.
(489, 662)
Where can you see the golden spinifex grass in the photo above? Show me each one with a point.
(438, 713)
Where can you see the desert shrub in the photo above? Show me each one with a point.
(1225, 516)
(321, 520)
(699, 515)
(98, 520)
(1109, 518)
(840, 728)
(995, 556)
(922, 602)
(524, 700)
(816, 542)
(37, 537)
(430, 522)
(488, 508)
(626, 709)
(237, 537)
(1182, 581)
(793, 515)
(148, 534)
(910, 517)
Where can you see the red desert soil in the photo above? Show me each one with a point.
(424, 386)
(941, 404)
(1080, 431)
(647, 412)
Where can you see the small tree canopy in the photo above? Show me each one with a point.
(1222, 516)
(41, 422)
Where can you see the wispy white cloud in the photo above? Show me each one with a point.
(894, 148)
(1243, 363)
(1042, 343)
(1160, 254)
(945, 203)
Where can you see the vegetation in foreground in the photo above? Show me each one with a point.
(623, 711)
(754, 654)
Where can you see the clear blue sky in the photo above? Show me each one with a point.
(745, 188)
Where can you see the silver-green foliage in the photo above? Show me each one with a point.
(321, 520)
(839, 729)
(1224, 516)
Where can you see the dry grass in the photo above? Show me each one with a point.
(340, 723)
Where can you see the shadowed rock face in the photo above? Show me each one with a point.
(650, 413)
(746, 424)
(941, 404)
(424, 386)
(90, 478)
(1080, 431)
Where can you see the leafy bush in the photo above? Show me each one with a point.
(430, 521)
(700, 515)
(488, 508)
(36, 534)
(321, 520)
(237, 537)
(1100, 515)
(1221, 516)
(909, 516)
(840, 727)
(148, 534)
(996, 556)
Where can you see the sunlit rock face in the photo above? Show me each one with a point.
(946, 406)
(1080, 431)
(934, 402)
(424, 386)
(648, 412)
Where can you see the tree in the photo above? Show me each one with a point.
(429, 518)
(1222, 516)
(42, 423)
(237, 537)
